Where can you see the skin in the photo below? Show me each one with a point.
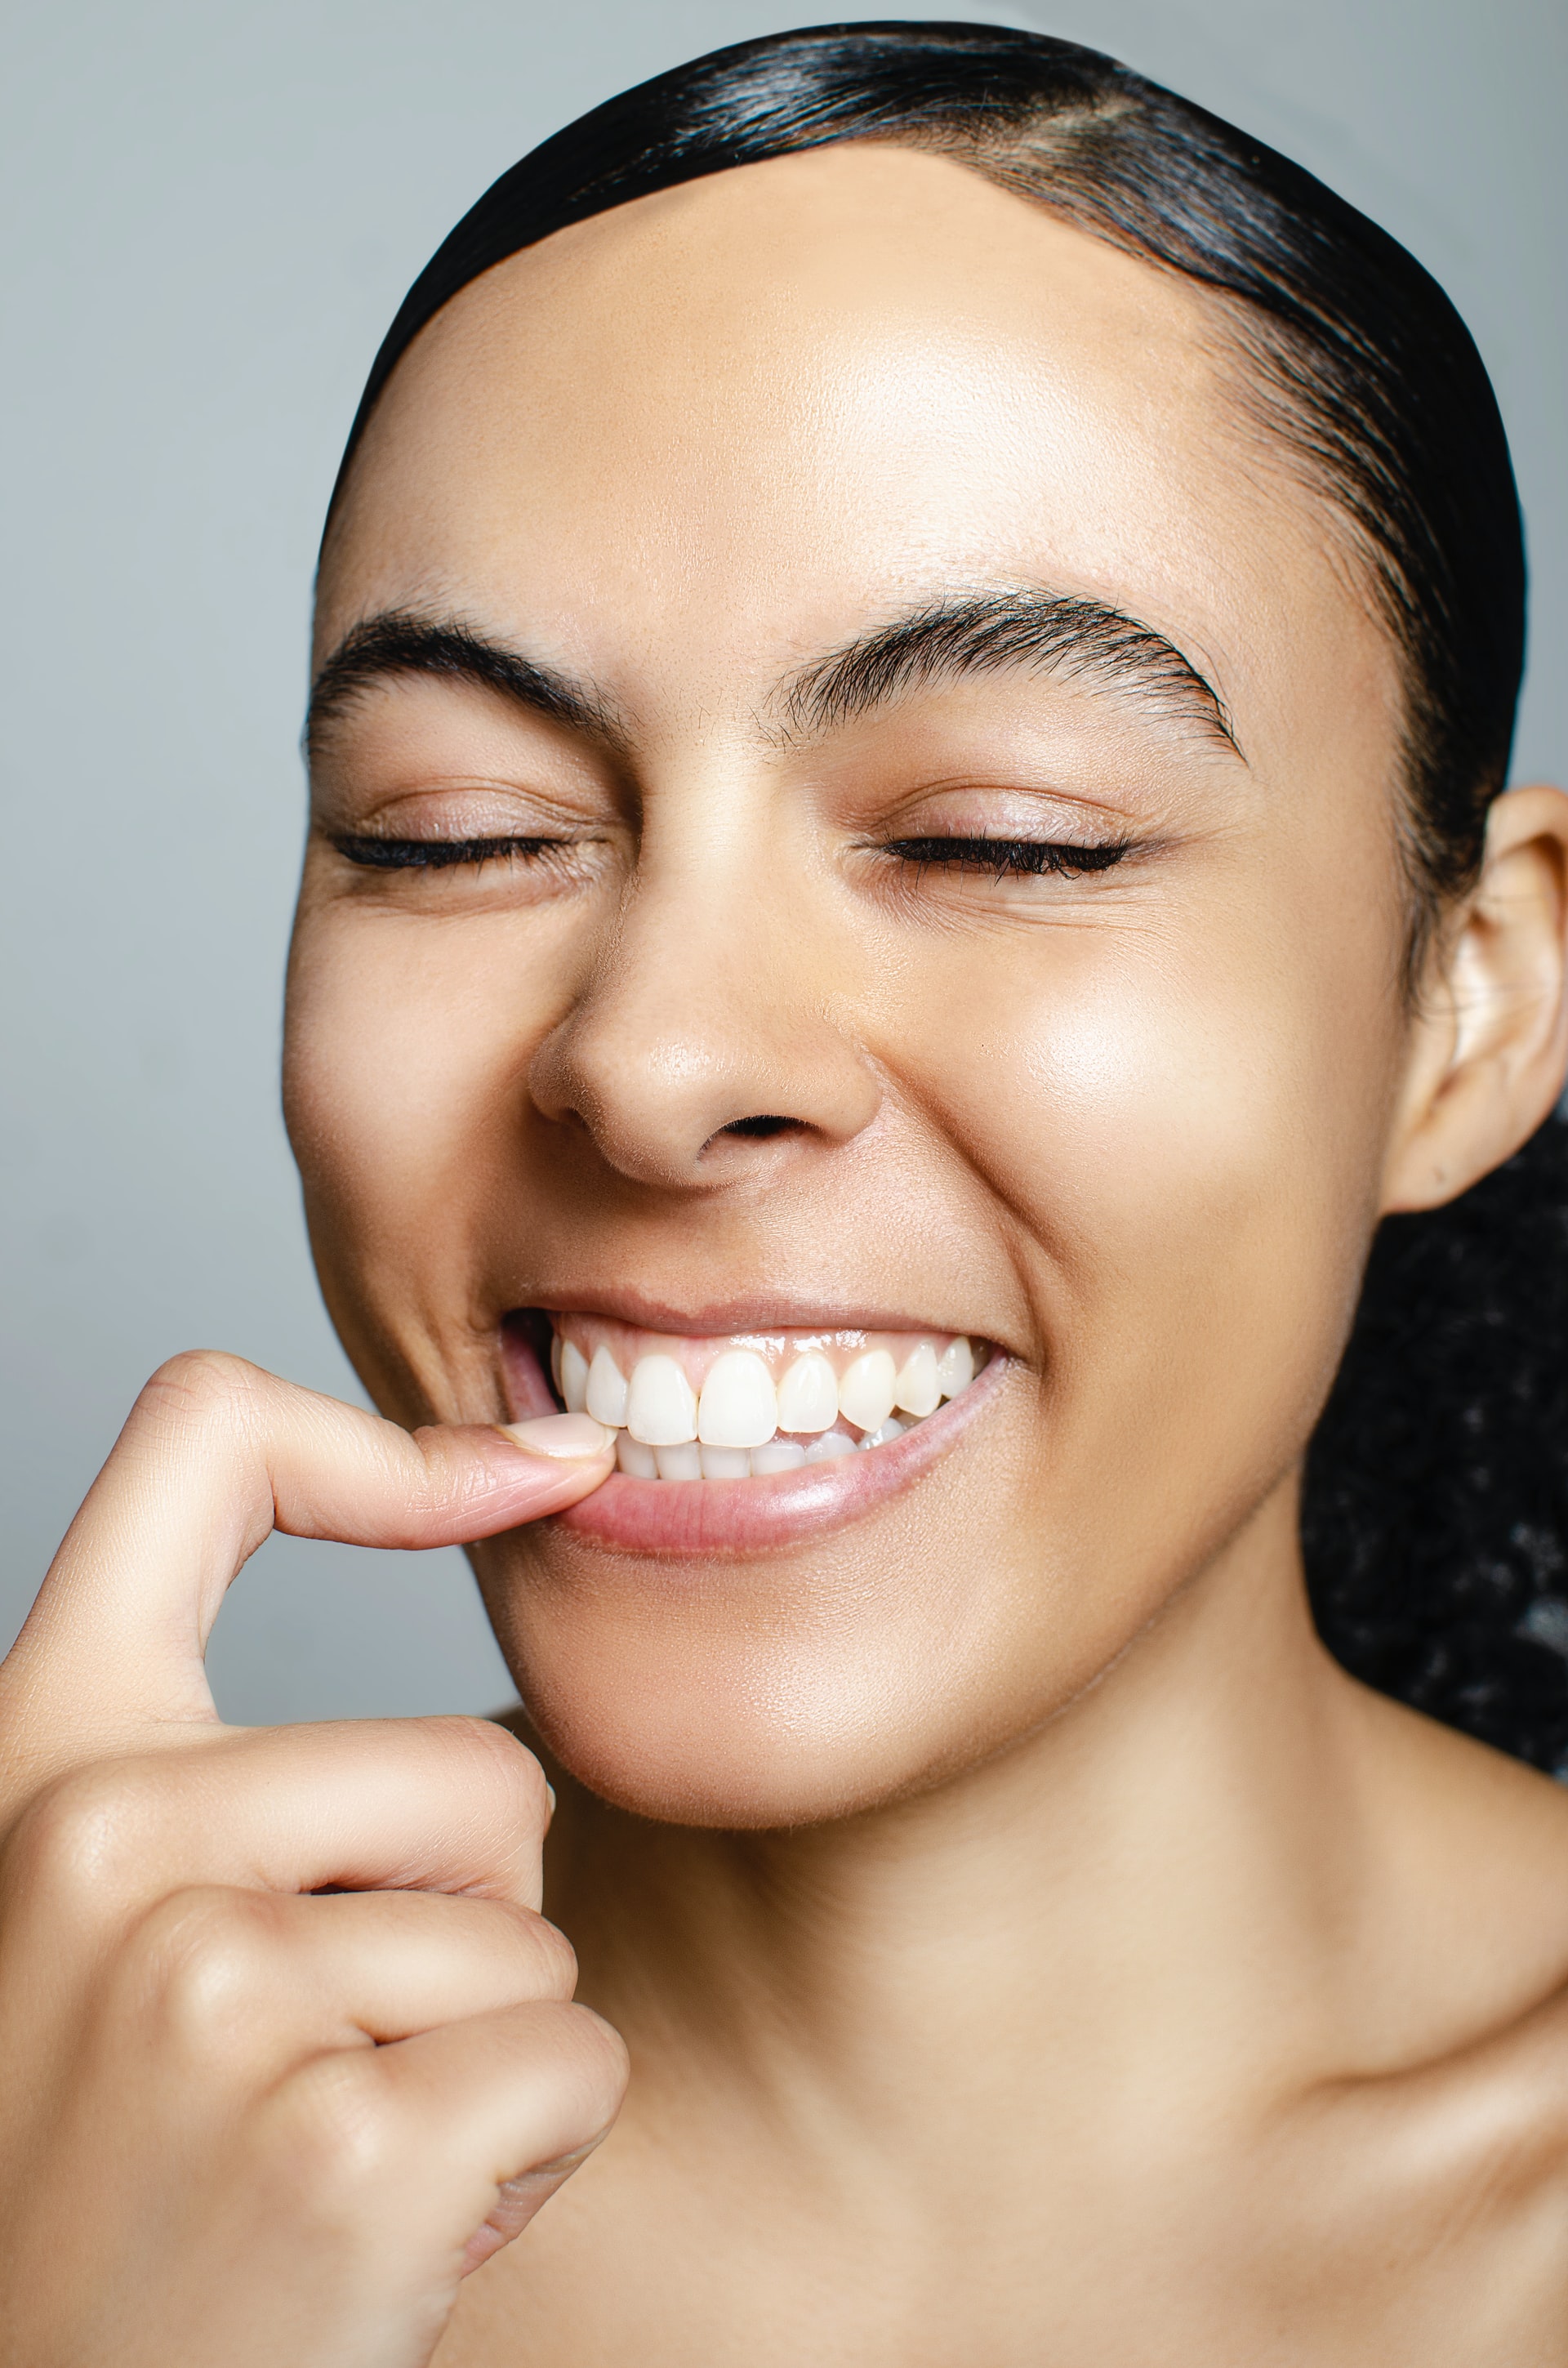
(1027, 1943)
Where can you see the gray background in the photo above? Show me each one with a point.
(210, 213)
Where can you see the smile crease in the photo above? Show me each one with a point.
(751, 1406)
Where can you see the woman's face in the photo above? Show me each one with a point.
(783, 514)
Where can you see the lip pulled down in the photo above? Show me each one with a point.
(698, 1518)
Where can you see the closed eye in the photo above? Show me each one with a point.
(441, 854)
(1005, 858)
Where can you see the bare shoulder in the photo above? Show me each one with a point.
(1467, 1931)
(1437, 2235)
(1444, 2151)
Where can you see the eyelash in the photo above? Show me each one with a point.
(1011, 858)
(439, 854)
(1003, 857)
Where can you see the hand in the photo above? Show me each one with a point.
(241, 2121)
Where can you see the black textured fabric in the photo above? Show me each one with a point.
(1436, 1517)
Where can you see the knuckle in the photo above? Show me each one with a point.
(565, 2073)
(561, 1959)
(199, 1387)
(551, 1961)
(604, 2046)
(514, 1781)
(82, 1840)
(430, 1478)
(333, 2135)
(594, 2065)
(199, 1961)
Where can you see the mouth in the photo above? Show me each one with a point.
(730, 1441)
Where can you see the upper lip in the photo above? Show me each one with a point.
(776, 1312)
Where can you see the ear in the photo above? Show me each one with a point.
(1489, 1045)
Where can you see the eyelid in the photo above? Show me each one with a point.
(971, 808)
(457, 808)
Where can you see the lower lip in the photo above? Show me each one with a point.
(691, 1518)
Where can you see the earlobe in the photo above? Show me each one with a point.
(1489, 1046)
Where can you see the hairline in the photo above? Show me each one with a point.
(1016, 158)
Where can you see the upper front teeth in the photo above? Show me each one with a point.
(865, 1390)
(808, 1395)
(739, 1409)
(661, 1406)
(739, 1406)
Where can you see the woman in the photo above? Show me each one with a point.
(914, 662)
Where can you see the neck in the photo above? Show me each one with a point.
(1159, 1893)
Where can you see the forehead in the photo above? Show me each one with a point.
(750, 411)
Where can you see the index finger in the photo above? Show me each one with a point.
(216, 1454)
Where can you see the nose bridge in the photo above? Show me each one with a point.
(707, 1004)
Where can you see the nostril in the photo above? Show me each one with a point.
(759, 1126)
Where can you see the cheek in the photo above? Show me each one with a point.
(1184, 1125)
(404, 1077)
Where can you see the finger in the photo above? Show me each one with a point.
(453, 1805)
(459, 2124)
(216, 1453)
(230, 1983)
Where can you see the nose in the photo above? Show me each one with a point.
(708, 1027)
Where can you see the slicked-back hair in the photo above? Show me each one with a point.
(1359, 365)
(1430, 1558)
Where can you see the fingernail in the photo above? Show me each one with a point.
(550, 1795)
(572, 1437)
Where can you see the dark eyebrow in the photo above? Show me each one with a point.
(401, 641)
(986, 632)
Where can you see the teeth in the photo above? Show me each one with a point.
(739, 1407)
(661, 1407)
(737, 1428)
(808, 1395)
(725, 1462)
(634, 1457)
(574, 1381)
(778, 1455)
(865, 1391)
(606, 1398)
(918, 1390)
(830, 1447)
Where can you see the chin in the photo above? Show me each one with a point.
(751, 1625)
(739, 1719)
(808, 1653)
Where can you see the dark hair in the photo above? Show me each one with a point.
(1437, 1494)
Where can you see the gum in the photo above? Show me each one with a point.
(697, 1353)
